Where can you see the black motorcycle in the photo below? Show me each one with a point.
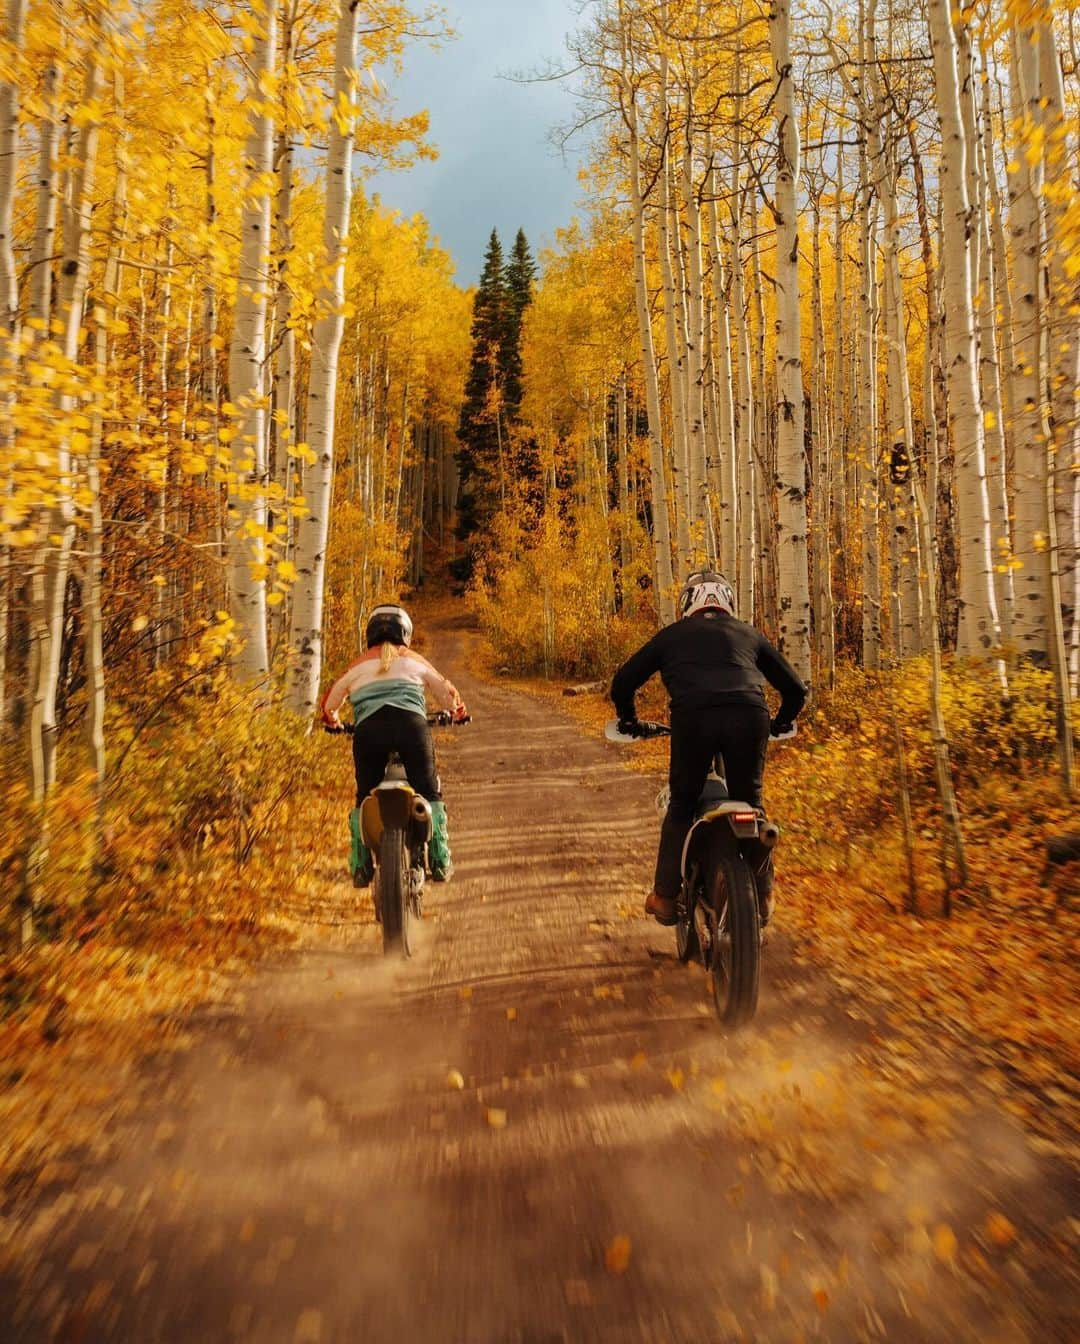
(717, 919)
(395, 825)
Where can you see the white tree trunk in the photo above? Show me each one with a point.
(727, 484)
(979, 633)
(664, 578)
(312, 531)
(1063, 326)
(9, 171)
(54, 557)
(247, 362)
(39, 306)
(676, 367)
(793, 575)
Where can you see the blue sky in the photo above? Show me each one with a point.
(496, 165)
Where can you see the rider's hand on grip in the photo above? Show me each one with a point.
(460, 714)
(780, 729)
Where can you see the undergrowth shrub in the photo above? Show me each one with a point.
(546, 598)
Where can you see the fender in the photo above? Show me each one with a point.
(394, 804)
(741, 817)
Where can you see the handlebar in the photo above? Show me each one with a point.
(443, 719)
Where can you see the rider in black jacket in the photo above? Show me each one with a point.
(714, 668)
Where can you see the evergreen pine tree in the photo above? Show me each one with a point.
(520, 274)
(492, 388)
(481, 427)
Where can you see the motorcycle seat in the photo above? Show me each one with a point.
(715, 791)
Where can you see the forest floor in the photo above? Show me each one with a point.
(535, 1131)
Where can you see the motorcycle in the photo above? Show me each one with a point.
(395, 825)
(717, 918)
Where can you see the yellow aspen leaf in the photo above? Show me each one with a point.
(274, 599)
(617, 1255)
(455, 1079)
(139, 623)
(495, 1117)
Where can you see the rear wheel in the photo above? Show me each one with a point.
(687, 946)
(736, 941)
(393, 891)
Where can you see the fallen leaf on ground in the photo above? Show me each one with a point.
(495, 1117)
(945, 1243)
(617, 1255)
(455, 1079)
(577, 1293)
(1000, 1231)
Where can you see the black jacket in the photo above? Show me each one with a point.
(708, 659)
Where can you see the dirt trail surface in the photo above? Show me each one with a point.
(535, 1131)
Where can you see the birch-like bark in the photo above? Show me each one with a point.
(899, 427)
(726, 466)
(54, 557)
(39, 306)
(313, 530)
(695, 352)
(994, 417)
(676, 366)
(247, 362)
(821, 499)
(9, 288)
(979, 633)
(664, 578)
(10, 101)
(792, 571)
(1031, 628)
(1062, 326)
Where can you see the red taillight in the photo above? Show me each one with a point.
(744, 817)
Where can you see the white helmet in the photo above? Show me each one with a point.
(389, 624)
(706, 589)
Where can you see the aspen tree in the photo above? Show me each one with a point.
(979, 633)
(793, 575)
(744, 400)
(1060, 148)
(43, 247)
(312, 531)
(10, 102)
(664, 577)
(9, 284)
(247, 361)
(726, 465)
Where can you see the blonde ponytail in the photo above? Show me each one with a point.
(387, 654)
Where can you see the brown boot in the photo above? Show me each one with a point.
(661, 908)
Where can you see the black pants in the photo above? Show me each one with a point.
(392, 729)
(740, 735)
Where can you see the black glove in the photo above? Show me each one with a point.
(781, 727)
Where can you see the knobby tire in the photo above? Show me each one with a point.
(735, 995)
(393, 891)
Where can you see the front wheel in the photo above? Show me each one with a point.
(736, 941)
(393, 891)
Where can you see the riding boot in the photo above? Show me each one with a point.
(360, 864)
(442, 866)
(760, 859)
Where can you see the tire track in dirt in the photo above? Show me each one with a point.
(307, 1172)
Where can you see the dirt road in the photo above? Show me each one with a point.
(536, 1132)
